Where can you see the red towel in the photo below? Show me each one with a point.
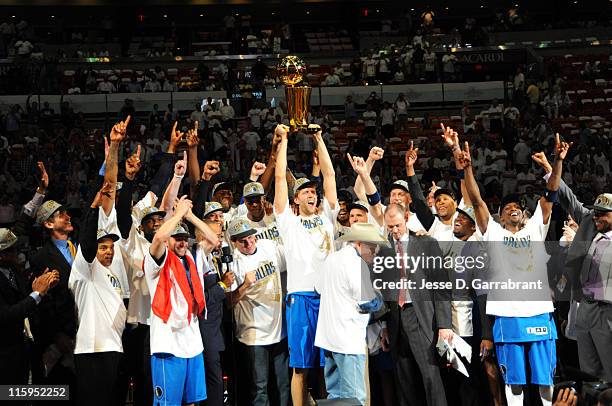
(162, 305)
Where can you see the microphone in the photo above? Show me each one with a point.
(226, 257)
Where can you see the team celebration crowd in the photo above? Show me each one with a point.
(186, 278)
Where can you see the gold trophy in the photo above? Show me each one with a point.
(291, 71)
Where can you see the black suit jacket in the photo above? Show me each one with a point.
(432, 307)
(57, 313)
(15, 306)
(210, 327)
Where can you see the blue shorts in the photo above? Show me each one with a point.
(542, 357)
(177, 380)
(302, 316)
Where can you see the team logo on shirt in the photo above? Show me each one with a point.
(315, 225)
(266, 269)
(517, 242)
(269, 234)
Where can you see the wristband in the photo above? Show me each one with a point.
(373, 199)
(461, 174)
(551, 195)
(179, 176)
(223, 285)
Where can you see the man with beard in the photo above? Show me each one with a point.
(17, 303)
(222, 193)
(257, 215)
(588, 258)
(522, 329)
(98, 295)
(341, 223)
(308, 236)
(177, 365)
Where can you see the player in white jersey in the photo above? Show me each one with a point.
(309, 237)
(522, 329)
(257, 213)
(257, 298)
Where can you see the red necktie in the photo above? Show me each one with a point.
(401, 300)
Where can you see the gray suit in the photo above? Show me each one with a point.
(413, 329)
(594, 317)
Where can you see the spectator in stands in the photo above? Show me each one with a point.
(448, 66)
(134, 86)
(430, 65)
(23, 48)
(387, 118)
(401, 110)
(227, 114)
(259, 70)
(331, 79)
(350, 111)
(169, 85)
(533, 93)
(106, 86)
(369, 69)
(494, 114)
(418, 62)
(369, 120)
(152, 85)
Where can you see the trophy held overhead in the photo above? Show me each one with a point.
(292, 70)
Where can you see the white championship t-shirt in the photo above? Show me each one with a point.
(309, 240)
(518, 254)
(101, 313)
(259, 314)
(118, 266)
(185, 342)
(343, 285)
(267, 229)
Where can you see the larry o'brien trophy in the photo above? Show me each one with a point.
(291, 71)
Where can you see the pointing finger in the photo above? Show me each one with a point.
(138, 151)
(127, 120)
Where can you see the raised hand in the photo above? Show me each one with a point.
(315, 157)
(180, 167)
(182, 206)
(268, 207)
(133, 164)
(465, 158)
(211, 168)
(282, 131)
(450, 137)
(106, 148)
(376, 153)
(192, 137)
(175, 138)
(540, 159)
(119, 130)
(561, 147)
(358, 164)
(105, 191)
(257, 169)
(411, 155)
(44, 178)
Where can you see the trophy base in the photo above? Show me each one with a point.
(312, 129)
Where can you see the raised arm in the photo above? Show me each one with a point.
(173, 187)
(554, 181)
(200, 225)
(451, 139)
(471, 187)
(124, 203)
(327, 171)
(360, 167)
(117, 135)
(193, 167)
(376, 154)
(566, 197)
(419, 204)
(281, 193)
(268, 175)
(89, 245)
(164, 232)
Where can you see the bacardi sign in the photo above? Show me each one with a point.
(481, 57)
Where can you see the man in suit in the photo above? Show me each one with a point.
(417, 317)
(215, 284)
(56, 330)
(18, 303)
(589, 265)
